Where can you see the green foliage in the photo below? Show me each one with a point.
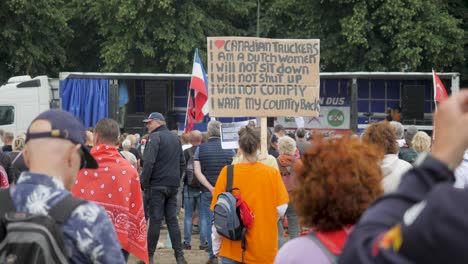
(47, 36)
(375, 35)
(160, 36)
(459, 10)
(32, 34)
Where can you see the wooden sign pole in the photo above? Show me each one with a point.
(264, 137)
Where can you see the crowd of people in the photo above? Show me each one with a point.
(390, 195)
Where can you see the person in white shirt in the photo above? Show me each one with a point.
(461, 173)
(383, 136)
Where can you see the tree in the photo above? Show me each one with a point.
(459, 10)
(83, 48)
(373, 35)
(160, 36)
(32, 36)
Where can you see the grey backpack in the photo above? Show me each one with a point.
(332, 257)
(33, 238)
(226, 217)
(227, 214)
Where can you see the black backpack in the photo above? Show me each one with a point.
(13, 171)
(189, 170)
(33, 238)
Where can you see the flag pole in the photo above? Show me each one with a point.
(186, 111)
(434, 85)
(189, 93)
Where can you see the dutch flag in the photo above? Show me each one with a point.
(199, 83)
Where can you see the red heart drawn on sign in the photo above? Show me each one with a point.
(219, 43)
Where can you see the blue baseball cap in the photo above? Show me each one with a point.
(65, 126)
(154, 116)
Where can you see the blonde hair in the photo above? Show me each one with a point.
(185, 138)
(421, 142)
(126, 144)
(18, 143)
(286, 145)
(132, 139)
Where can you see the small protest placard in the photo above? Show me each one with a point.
(230, 134)
(263, 77)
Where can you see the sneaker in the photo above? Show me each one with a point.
(186, 246)
(203, 247)
(212, 260)
(181, 260)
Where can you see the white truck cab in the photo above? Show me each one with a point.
(21, 99)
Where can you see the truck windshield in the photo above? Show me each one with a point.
(7, 115)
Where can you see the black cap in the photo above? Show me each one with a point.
(66, 126)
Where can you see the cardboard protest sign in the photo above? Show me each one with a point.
(263, 77)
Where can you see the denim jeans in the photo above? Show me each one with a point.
(206, 218)
(191, 202)
(146, 202)
(163, 203)
(293, 225)
(228, 261)
(180, 198)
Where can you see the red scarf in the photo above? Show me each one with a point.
(3, 178)
(115, 185)
(334, 240)
(285, 160)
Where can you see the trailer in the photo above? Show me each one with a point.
(350, 101)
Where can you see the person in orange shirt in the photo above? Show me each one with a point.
(262, 188)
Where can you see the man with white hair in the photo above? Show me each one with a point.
(407, 152)
(133, 149)
(399, 132)
(209, 160)
(126, 146)
(54, 153)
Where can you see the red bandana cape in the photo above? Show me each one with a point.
(115, 185)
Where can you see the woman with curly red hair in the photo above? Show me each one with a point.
(336, 183)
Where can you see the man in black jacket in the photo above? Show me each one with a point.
(425, 220)
(163, 166)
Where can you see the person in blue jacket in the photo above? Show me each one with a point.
(426, 219)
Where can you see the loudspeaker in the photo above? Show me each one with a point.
(270, 122)
(412, 101)
(171, 120)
